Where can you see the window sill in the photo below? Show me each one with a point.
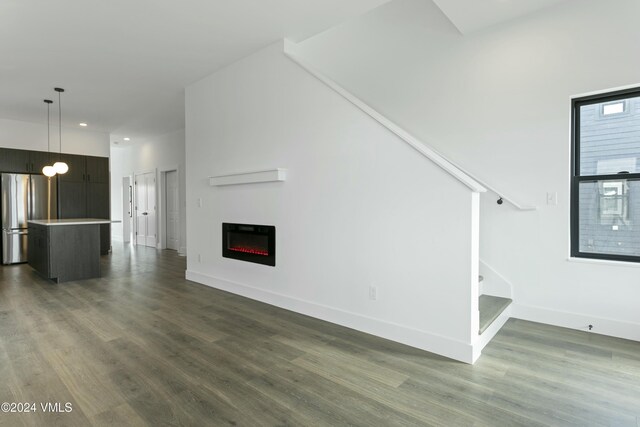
(604, 262)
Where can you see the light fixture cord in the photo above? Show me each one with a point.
(60, 123)
(48, 132)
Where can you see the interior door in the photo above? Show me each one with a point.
(172, 210)
(145, 209)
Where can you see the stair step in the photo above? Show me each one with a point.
(490, 308)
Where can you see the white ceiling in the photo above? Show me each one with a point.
(124, 63)
(474, 15)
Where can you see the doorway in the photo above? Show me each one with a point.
(172, 213)
(145, 209)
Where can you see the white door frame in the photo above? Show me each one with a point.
(135, 204)
(162, 203)
(127, 208)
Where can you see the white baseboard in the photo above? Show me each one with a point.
(614, 328)
(447, 347)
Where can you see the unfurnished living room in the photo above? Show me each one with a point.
(320, 213)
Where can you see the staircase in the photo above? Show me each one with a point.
(494, 306)
(491, 308)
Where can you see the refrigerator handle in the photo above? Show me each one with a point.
(29, 199)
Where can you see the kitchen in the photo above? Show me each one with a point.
(77, 200)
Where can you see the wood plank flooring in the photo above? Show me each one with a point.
(142, 346)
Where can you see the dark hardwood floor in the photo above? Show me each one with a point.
(142, 346)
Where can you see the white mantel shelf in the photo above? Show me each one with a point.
(269, 175)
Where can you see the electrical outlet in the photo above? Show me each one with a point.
(199, 202)
(373, 293)
(199, 258)
(552, 198)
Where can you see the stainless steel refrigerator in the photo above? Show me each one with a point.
(24, 197)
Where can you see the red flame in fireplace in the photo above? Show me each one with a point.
(250, 251)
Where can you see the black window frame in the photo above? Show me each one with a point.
(576, 178)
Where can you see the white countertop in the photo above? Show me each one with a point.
(71, 221)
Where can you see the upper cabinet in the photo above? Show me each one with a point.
(98, 169)
(77, 168)
(25, 161)
(16, 161)
(40, 159)
(85, 169)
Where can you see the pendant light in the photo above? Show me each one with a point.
(60, 166)
(48, 171)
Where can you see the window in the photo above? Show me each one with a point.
(605, 184)
(617, 107)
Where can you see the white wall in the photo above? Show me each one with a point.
(161, 153)
(498, 103)
(359, 208)
(33, 136)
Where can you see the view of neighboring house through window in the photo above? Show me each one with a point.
(605, 191)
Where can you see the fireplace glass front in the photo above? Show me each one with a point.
(248, 242)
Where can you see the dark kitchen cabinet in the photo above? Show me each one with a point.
(40, 159)
(77, 168)
(83, 192)
(15, 161)
(24, 161)
(38, 255)
(97, 200)
(98, 207)
(97, 169)
(72, 199)
(65, 252)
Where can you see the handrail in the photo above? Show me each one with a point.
(501, 196)
(404, 135)
(450, 167)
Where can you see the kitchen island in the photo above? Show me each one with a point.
(65, 249)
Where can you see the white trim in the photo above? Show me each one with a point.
(269, 175)
(161, 203)
(182, 251)
(601, 325)
(605, 91)
(609, 262)
(447, 347)
(127, 217)
(488, 334)
(475, 266)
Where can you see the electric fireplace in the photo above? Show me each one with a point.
(251, 243)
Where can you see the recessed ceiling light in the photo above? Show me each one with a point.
(84, 125)
(127, 139)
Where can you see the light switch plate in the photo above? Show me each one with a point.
(552, 198)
